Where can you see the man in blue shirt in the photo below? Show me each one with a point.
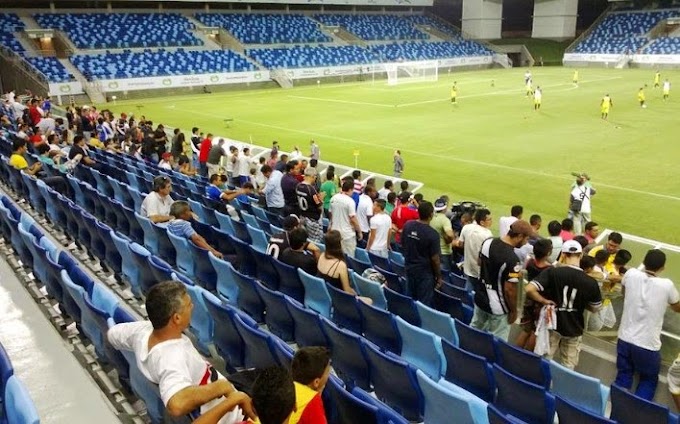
(181, 226)
(214, 192)
(272, 190)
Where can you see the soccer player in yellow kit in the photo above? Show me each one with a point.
(657, 79)
(605, 105)
(641, 97)
(575, 78)
(454, 94)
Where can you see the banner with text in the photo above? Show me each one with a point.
(65, 88)
(671, 59)
(177, 81)
(585, 57)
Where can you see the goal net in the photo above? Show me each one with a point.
(408, 72)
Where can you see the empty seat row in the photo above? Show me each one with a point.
(374, 27)
(255, 28)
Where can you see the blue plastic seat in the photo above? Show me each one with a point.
(129, 269)
(277, 317)
(265, 226)
(146, 390)
(308, 330)
(259, 346)
(38, 253)
(395, 383)
(259, 239)
(348, 356)
(380, 328)
(289, 280)
(266, 272)
(204, 272)
(241, 231)
(438, 323)
(122, 225)
(202, 323)
(627, 408)
(395, 258)
(444, 401)
(459, 293)
(379, 261)
(452, 306)
(475, 341)
(140, 256)
(421, 348)
(457, 280)
(522, 399)
(227, 339)
(166, 249)
(284, 353)
(137, 197)
(402, 306)
(568, 412)
(523, 364)
(357, 265)
(6, 370)
(161, 270)
(96, 245)
(249, 301)
(224, 223)
(316, 293)
(226, 285)
(249, 219)
(150, 240)
(370, 289)
(347, 408)
(495, 416)
(246, 261)
(183, 261)
(386, 415)
(393, 280)
(345, 309)
(136, 233)
(87, 323)
(469, 371)
(585, 391)
(18, 404)
(111, 256)
(362, 255)
(53, 283)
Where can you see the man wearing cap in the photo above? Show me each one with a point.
(572, 291)
(442, 225)
(166, 161)
(496, 289)
(420, 243)
(344, 218)
(406, 211)
(310, 202)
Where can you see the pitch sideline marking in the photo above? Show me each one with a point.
(319, 99)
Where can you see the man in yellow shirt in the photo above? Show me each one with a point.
(613, 245)
(641, 97)
(18, 161)
(605, 105)
(575, 78)
(657, 79)
(454, 93)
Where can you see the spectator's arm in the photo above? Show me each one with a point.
(344, 280)
(33, 169)
(232, 401)
(435, 262)
(200, 242)
(192, 397)
(228, 195)
(371, 239)
(311, 247)
(510, 291)
(532, 292)
(675, 307)
(157, 219)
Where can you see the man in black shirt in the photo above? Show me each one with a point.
(310, 202)
(496, 289)
(296, 255)
(78, 148)
(422, 255)
(280, 241)
(289, 183)
(572, 291)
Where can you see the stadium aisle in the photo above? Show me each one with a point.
(59, 386)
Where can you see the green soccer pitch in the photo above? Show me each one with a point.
(490, 147)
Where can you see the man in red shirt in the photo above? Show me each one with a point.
(34, 112)
(311, 368)
(206, 145)
(407, 211)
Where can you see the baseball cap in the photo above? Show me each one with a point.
(523, 228)
(290, 222)
(439, 205)
(571, 246)
(310, 172)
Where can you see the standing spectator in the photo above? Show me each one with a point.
(646, 296)
(196, 137)
(358, 186)
(442, 225)
(272, 190)
(420, 243)
(391, 203)
(156, 205)
(365, 211)
(176, 145)
(344, 219)
(314, 152)
(34, 113)
(499, 275)
(471, 237)
(567, 232)
(281, 164)
(242, 167)
(289, 183)
(398, 164)
(161, 139)
(381, 230)
(215, 156)
(407, 211)
(614, 241)
(387, 189)
(310, 203)
(579, 201)
(311, 368)
(47, 125)
(505, 221)
(572, 292)
(204, 152)
(296, 254)
(330, 189)
(296, 154)
(592, 230)
(554, 231)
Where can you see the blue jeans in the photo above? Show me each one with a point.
(631, 359)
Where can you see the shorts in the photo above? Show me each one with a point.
(314, 229)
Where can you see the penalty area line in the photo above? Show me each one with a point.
(349, 102)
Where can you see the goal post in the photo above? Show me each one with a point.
(409, 72)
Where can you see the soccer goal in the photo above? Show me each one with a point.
(408, 72)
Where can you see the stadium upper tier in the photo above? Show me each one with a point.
(375, 27)
(310, 57)
(623, 32)
(159, 63)
(10, 23)
(53, 70)
(426, 20)
(663, 45)
(122, 30)
(423, 50)
(267, 28)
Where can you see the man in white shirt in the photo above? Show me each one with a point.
(47, 124)
(156, 205)
(167, 357)
(365, 210)
(381, 225)
(646, 296)
(242, 167)
(296, 154)
(344, 218)
(505, 222)
(471, 238)
(388, 187)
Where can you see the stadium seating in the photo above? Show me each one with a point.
(310, 56)
(255, 28)
(427, 50)
(10, 23)
(374, 27)
(663, 45)
(122, 30)
(53, 70)
(159, 63)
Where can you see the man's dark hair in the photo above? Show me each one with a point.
(194, 129)
(590, 225)
(567, 224)
(601, 256)
(248, 186)
(481, 214)
(391, 197)
(42, 148)
(418, 197)
(587, 262)
(381, 203)
(654, 260)
(535, 219)
(330, 175)
(582, 240)
(347, 185)
(403, 185)
(368, 190)
(266, 169)
(516, 211)
(622, 257)
(297, 238)
(273, 395)
(425, 210)
(554, 228)
(356, 174)
(313, 163)
(615, 237)
(175, 131)
(283, 157)
(309, 363)
(77, 139)
(291, 165)
(388, 184)
(163, 301)
(214, 177)
(542, 248)
(17, 144)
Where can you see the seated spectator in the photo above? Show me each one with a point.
(274, 396)
(214, 192)
(185, 166)
(47, 157)
(311, 368)
(180, 226)
(167, 161)
(332, 266)
(156, 205)
(554, 230)
(18, 161)
(168, 358)
(79, 148)
(280, 241)
(567, 232)
(296, 254)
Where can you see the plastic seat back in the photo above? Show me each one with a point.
(348, 355)
(246, 260)
(249, 299)
(347, 408)
(469, 371)
(317, 297)
(495, 416)
(386, 415)
(452, 306)
(585, 391)
(266, 272)
(393, 280)
(184, 262)
(628, 408)
(204, 272)
(519, 398)
(289, 280)
(259, 238)
(227, 339)
(421, 348)
(202, 323)
(475, 341)
(380, 328)
(370, 289)
(140, 256)
(523, 364)
(402, 306)
(162, 271)
(438, 323)
(357, 265)
(277, 317)
(18, 404)
(345, 309)
(150, 240)
(308, 330)
(166, 249)
(259, 349)
(379, 261)
(442, 403)
(129, 269)
(568, 412)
